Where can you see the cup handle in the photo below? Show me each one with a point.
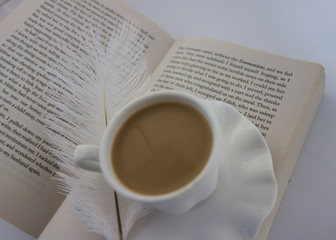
(87, 157)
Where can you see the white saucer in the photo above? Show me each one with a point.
(245, 194)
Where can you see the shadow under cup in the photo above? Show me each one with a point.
(162, 150)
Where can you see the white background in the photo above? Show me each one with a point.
(295, 28)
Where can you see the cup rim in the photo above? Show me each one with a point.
(132, 107)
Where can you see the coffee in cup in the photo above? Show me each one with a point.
(161, 150)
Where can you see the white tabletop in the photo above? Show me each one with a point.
(302, 29)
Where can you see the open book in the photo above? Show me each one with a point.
(279, 95)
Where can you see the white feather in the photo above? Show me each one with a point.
(97, 80)
(130, 211)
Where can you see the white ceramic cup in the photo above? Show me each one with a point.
(98, 158)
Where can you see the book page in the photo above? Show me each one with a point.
(65, 225)
(278, 94)
(31, 42)
(267, 89)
